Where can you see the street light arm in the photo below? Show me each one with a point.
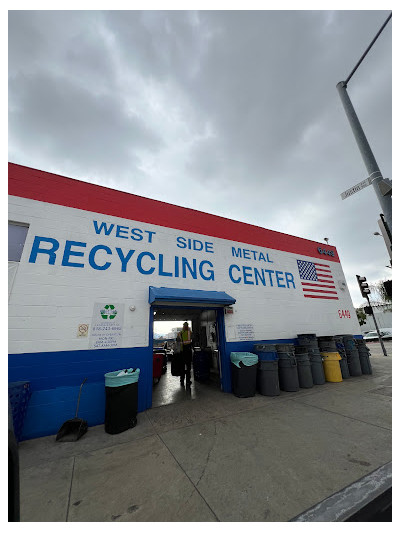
(367, 50)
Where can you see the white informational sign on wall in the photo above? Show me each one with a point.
(107, 325)
(245, 332)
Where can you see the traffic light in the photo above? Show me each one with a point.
(364, 289)
(388, 287)
(368, 310)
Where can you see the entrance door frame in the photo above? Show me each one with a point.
(225, 376)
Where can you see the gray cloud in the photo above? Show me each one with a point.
(238, 109)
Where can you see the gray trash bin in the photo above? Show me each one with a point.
(326, 344)
(267, 371)
(303, 367)
(268, 378)
(344, 367)
(317, 368)
(364, 355)
(353, 358)
(308, 339)
(287, 368)
(265, 351)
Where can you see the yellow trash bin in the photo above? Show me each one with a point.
(330, 361)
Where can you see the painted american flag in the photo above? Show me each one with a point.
(317, 280)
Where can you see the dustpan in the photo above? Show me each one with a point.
(73, 429)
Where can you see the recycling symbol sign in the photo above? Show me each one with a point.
(107, 327)
(109, 312)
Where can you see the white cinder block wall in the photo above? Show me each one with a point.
(48, 302)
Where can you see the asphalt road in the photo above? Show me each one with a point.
(376, 349)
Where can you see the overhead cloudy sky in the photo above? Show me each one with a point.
(235, 113)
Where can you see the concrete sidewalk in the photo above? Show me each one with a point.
(217, 457)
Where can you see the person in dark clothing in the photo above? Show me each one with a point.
(185, 338)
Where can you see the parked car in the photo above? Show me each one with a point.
(386, 334)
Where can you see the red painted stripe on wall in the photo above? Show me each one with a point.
(43, 186)
(319, 285)
(321, 265)
(319, 290)
(324, 297)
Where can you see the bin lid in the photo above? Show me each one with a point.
(331, 356)
(285, 347)
(118, 378)
(264, 347)
(247, 358)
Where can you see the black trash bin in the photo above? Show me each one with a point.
(201, 364)
(244, 374)
(121, 400)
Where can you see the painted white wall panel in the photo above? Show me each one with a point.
(47, 302)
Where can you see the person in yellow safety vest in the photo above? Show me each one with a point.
(185, 338)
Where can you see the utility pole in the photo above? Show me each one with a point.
(381, 187)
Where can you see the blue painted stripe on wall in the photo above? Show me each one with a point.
(55, 378)
(48, 410)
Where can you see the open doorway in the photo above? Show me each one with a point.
(167, 322)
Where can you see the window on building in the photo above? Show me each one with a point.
(16, 240)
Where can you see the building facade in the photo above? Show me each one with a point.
(90, 268)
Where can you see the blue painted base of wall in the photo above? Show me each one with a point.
(55, 378)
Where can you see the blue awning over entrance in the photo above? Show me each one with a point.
(164, 295)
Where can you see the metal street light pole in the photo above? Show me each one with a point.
(369, 160)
